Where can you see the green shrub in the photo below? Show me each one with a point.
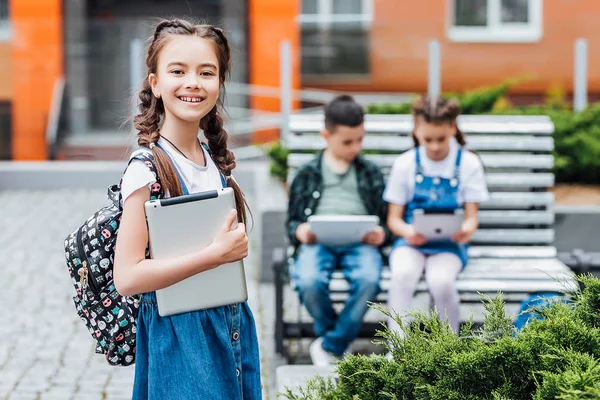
(278, 156)
(556, 357)
(476, 101)
(389, 108)
(576, 141)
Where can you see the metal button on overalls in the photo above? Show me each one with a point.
(316, 194)
(235, 335)
(307, 211)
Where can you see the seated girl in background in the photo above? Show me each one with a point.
(437, 174)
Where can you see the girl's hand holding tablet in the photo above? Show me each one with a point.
(230, 244)
(413, 238)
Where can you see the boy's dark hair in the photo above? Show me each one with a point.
(343, 110)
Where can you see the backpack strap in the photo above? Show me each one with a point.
(114, 191)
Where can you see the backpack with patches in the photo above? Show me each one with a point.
(109, 317)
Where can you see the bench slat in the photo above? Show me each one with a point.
(508, 252)
(502, 253)
(478, 285)
(496, 180)
(523, 119)
(469, 124)
(491, 268)
(520, 218)
(518, 200)
(374, 141)
(490, 160)
(532, 236)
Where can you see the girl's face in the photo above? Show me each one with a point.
(435, 138)
(187, 78)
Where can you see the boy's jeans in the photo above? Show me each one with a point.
(361, 265)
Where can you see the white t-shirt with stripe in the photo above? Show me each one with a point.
(197, 178)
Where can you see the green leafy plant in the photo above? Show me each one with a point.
(556, 357)
(278, 160)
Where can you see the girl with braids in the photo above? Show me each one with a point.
(205, 354)
(437, 175)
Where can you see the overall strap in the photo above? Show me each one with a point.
(457, 164)
(184, 188)
(419, 168)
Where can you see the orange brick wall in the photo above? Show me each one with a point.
(402, 29)
(37, 55)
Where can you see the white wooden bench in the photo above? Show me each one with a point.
(513, 249)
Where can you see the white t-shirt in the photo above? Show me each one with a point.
(472, 187)
(196, 177)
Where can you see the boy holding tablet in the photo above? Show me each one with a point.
(338, 181)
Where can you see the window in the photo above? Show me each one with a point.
(335, 38)
(495, 20)
(4, 23)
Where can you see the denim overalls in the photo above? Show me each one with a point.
(206, 354)
(434, 193)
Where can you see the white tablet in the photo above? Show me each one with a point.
(341, 230)
(186, 224)
(437, 226)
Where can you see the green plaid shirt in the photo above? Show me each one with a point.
(307, 187)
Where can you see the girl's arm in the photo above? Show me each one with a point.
(469, 225)
(134, 274)
(398, 227)
(395, 220)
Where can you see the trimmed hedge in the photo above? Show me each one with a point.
(555, 357)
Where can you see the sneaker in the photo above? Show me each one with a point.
(319, 356)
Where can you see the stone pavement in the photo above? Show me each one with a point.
(45, 350)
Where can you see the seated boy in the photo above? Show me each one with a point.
(338, 181)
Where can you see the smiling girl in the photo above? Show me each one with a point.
(205, 354)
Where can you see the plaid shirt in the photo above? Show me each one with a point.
(307, 187)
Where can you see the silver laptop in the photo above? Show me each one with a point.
(186, 224)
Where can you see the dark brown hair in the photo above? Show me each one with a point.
(152, 109)
(437, 110)
(344, 111)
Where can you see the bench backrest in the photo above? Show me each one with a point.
(515, 150)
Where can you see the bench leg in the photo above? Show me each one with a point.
(278, 269)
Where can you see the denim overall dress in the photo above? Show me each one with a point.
(205, 354)
(434, 193)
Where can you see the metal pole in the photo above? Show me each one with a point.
(285, 54)
(580, 84)
(136, 71)
(136, 75)
(434, 69)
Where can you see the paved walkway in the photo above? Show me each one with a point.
(45, 350)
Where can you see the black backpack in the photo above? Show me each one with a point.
(109, 317)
